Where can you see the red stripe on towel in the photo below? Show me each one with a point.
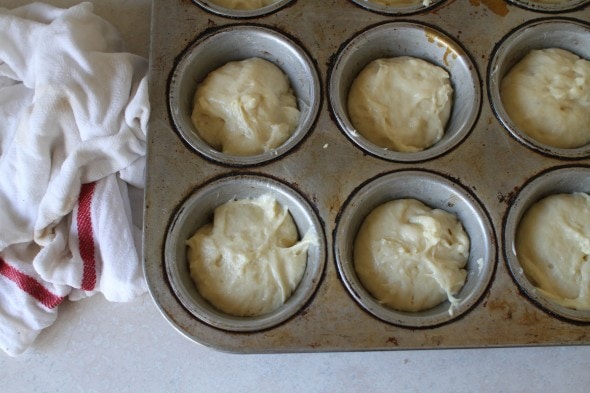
(30, 285)
(86, 236)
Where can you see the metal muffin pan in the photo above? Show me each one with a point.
(566, 180)
(213, 7)
(239, 43)
(197, 211)
(551, 6)
(404, 8)
(416, 40)
(436, 192)
(567, 34)
(479, 176)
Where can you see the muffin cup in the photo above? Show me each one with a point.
(233, 13)
(435, 191)
(568, 34)
(197, 210)
(234, 43)
(540, 6)
(564, 180)
(396, 10)
(416, 40)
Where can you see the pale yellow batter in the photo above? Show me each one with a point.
(249, 260)
(243, 4)
(411, 257)
(547, 96)
(245, 108)
(401, 2)
(551, 1)
(553, 248)
(401, 103)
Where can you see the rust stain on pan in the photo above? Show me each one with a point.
(498, 7)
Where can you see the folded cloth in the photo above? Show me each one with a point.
(73, 117)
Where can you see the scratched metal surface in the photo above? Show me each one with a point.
(327, 167)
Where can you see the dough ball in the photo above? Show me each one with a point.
(551, 1)
(249, 260)
(245, 108)
(243, 4)
(426, 3)
(547, 96)
(401, 103)
(553, 248)
(411, 257)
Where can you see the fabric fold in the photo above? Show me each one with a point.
(74, 110)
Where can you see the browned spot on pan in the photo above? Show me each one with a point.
(498, 7)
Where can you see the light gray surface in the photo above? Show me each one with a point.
(96, 346)
(101, 347)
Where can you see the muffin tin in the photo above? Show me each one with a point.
(196, 212)
(570, 35)
(554, 181)
(412, 39)
(435, 191)
(213, 7)
(329, 177)
(237, 43)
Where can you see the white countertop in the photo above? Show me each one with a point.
(96, 346)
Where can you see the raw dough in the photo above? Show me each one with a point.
(553, 248)
(426, 3)
(401, 103)
(547, 96)
(411, 257)
(245, 108)
(551, 1)
(249, 260)
(243, 4)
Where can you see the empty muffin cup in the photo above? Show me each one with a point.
(435, 191)
(567, 34)
(215, 8)
(197, 210)
(550, 6)
(236, 43)
(403, 7)
(416, 40)
(565, 180)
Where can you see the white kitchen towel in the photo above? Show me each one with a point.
(73, 117)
